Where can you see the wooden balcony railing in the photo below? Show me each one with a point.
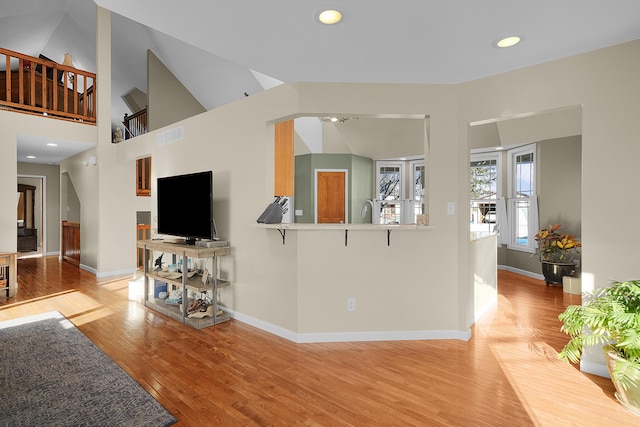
(40, 86)
(135, 124)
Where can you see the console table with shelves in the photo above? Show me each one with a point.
(190, 284)
(8, 276)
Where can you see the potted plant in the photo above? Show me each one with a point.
(556, 251)
(610, 317)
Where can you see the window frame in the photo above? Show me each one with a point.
(413, 164)
(513, 200)
(386, 163)
(497, 156)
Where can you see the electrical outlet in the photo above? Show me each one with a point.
(351, 304)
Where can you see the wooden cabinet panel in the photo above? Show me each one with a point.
(284, 160)
(71, 242)
(143, 177)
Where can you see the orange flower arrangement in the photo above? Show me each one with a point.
(555, 246)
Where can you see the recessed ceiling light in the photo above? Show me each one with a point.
(508, 41)
(330, 16)
(31, 157)
(51, 144)
(334, 119)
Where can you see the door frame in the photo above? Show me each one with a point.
(43, 209)
(346, 193)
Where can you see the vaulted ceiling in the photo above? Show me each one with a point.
(409, 41)
(221, 49)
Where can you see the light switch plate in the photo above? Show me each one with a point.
(451, 208)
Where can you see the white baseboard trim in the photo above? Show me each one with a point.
(348, 336)
(383, 336)
(594, 368)
(108, 273)
(116, 272)
(521, 272)
(52, 253)
(89, 269)
(489, 305)
(260, 324)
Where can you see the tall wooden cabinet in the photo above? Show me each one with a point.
(191, 284)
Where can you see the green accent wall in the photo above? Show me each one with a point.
(360, 184)
(303, 189)
(361, 188)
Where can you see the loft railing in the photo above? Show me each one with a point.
(135, 124)
(40, 86)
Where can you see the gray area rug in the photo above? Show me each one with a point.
(52, 375)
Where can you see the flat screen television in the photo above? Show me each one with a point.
(185, 206)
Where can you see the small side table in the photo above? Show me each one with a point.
(8, 273)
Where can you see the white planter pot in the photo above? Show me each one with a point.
(572, 285)
(630, 398)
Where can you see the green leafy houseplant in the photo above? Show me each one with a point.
(611, 317)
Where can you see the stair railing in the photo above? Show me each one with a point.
(40, 86)
(135, 124)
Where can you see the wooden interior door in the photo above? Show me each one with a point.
(330, 191)
(26, 205)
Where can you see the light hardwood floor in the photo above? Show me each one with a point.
(236, 375)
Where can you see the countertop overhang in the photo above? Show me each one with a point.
(283, 227)
(372, 227)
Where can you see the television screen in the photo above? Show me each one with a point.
(185, 206)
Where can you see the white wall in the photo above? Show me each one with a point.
(279, 284)
(51, 198)
(13, 124)
(85, 181)
(236, 142)
(607, 85)
(484, 275)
